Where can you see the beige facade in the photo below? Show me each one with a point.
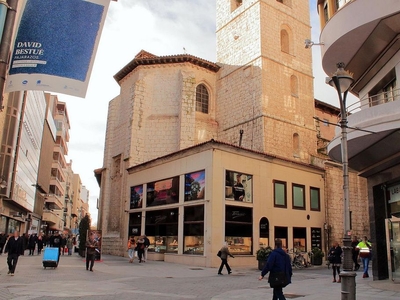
(215, 159)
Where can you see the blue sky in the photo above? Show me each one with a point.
(162, 28)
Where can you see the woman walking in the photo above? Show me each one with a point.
(335, 258)
(224, 260)
(131, 248)
(140, 248)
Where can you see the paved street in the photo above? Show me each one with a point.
(115, 278)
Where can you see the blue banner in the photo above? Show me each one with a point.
(55, 45)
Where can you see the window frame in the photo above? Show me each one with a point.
(285, 193)
(296, 185)
(319, 198)
(200, 99)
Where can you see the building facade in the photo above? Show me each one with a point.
(372, 54)
(257, 102)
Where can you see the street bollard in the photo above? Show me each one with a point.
(348, 285)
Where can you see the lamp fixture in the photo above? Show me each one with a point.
(309, 43)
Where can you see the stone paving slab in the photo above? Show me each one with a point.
(114, 278)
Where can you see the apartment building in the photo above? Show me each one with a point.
(369, 46)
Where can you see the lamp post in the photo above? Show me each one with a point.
(341, 81)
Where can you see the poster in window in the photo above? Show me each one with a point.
(136, 197)
(195, 185)
(163, 192)
(238, 186)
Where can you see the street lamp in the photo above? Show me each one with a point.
(341, 81)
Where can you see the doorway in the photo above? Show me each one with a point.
(393, 246)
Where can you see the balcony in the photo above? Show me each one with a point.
(364, 35)
(55, 201)
(53, 219)
(373, 134)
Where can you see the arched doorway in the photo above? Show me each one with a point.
(264, 232)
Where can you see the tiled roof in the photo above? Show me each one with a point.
(146, 58)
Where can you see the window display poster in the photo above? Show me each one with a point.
(163, 192)
(238, 186)
(136, 197)
(195, 185)
(55, 45)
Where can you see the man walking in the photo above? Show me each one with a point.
(355, 252)
(146, 247)
(278, 264)
(14, 248)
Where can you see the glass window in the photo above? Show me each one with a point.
(202, 98)
(264, 232)
(163, 192)
(238, 186)
(162, 230)
(136, 197)
(194, 230)
(195, 186)
(239, 229)
(13, 225)
(314, 197)
(299, 238)
(135, 223)
(298, 196)
(280, 194)
(281, 233)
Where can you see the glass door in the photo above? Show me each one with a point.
(393, 240)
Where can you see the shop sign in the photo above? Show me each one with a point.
(394, 192)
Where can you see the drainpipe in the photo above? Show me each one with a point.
(241, 137)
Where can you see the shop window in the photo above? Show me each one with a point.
(238, 186)
(281, 233)
(315, 199)
(13, 225)
(162, 230)
(136, 198)
(135, 224)
(316, 238)
(239, 229)
(195, 186)
(163, 192)
(193, 230)
(264, 232)
(202, 98)
(300, 238)
(298, 194)
(280, 194)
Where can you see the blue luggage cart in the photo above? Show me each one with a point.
(50, 257)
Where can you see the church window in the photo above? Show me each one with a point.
(284, 41)
(294, 86)
(202, 98)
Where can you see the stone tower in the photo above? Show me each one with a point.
(265, 86)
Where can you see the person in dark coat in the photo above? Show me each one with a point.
(355, 252)
(3, 239)
(40, 243)
(224, 260)
(140, 245)
(91, 245)
(278, 261)
(14, 248)
(56, 242)
(335, 258)
(32, 241)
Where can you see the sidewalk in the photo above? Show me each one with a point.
(115, 278)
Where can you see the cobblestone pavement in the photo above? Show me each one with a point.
(115, 278)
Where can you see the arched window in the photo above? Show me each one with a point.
(294, 86)
(202, 98)
(296, 144)
(285, 46)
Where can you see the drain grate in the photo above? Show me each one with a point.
(196, 269)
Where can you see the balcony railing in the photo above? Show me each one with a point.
(374, 100)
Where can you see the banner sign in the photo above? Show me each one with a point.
(55, 45)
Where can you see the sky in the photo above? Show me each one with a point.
(161, 28)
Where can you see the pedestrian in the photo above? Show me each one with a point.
(25, 241)
(56, 242)
(224, 251)
(146, 247)
(32, 241)
(63, 243)
(140, 248)
(3, 239)
(335, 258)
(14, 248)
(279, 267)
(70, 244)
(355, 252)
(91, 245)
(365, 248)
(131, 248)
(40, 243)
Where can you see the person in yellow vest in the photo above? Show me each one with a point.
(365, 248)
